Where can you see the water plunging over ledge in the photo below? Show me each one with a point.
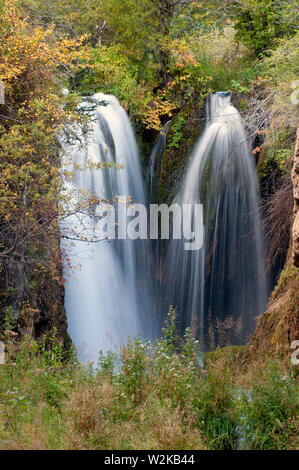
(220, 289)
(108, 297)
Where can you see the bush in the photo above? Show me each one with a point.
(261, 23)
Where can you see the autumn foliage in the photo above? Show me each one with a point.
(33, 60)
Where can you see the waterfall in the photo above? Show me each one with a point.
(154, 169)
(218, 289)
(107, 290)
(221, 288)
(153, 184)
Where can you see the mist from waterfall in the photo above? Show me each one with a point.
(221, 288)
(107, 290)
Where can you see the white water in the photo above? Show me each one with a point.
(155, 163)
(224, 282)
(107, 293)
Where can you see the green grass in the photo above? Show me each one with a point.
(270, 411)
(150, 396)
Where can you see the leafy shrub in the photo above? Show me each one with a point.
(260, 23)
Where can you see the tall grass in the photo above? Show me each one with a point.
(149, 396)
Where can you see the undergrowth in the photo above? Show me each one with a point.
(149, 396)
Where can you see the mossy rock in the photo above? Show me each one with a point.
(279, 325)
(183, 134)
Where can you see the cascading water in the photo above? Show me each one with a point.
(107, 298)
(155, 161)
(153, 184)
(220, 288)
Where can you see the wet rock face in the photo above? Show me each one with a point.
(295, 181)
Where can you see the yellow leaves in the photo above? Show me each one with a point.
(31, 57)
(155, 110)
(6, 173)
(31, 51)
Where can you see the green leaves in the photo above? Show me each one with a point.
(261, 23)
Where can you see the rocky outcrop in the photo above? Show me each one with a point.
(295, 181)
(278, 327)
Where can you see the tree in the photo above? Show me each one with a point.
(261, 23)
(33, 60)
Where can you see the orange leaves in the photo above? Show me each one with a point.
(182, 54)
(256, 150)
